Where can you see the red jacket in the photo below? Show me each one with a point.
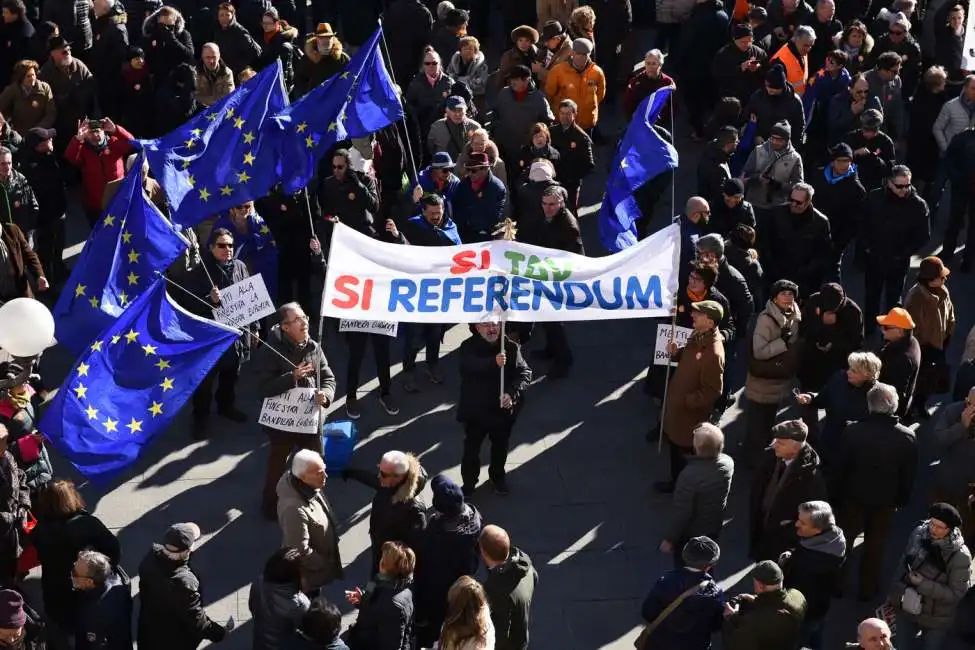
(99, 166)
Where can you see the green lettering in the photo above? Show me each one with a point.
(515, 258)
(559, 273)
(535, 270)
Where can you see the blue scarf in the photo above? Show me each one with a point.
(447, 228)
(832, 179)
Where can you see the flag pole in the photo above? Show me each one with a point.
(507, 231)
(663, 406)
(392, 75)
(311, 222)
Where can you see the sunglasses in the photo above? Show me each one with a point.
(899, 186)
(430, 62)
(338, 167)
(223, 245)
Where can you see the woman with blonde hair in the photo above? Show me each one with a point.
(481, 142)
(468, 623)
(386, 620)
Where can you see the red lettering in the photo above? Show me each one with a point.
(485, 259)
(463, 262)
(367, 294)
(344, 285)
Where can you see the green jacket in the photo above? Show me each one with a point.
(770, 622)
(509, 589)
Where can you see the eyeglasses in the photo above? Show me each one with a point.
(901, 186)
(223, 244)
(430, 62)
(386, 474)
(302, 318)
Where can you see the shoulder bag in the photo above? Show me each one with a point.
(781, 366)
(643, 641)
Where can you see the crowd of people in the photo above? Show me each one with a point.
(828, 135)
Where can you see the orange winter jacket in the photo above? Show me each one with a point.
(587, 89)
(795, 68)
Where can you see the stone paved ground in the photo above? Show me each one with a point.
(581, 502)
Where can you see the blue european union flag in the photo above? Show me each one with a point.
(352, 104)
(131, 381)
(642, 156)
(119, 261)
(224, 156)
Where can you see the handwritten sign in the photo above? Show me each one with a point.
(660, 355)
(244, 303)
(293, 411)
(383, 327)
(968, 46)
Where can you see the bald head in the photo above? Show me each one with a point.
(874, 634)
(495, 545)
(210, 53)
(697, 210)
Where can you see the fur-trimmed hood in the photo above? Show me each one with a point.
(312, 53)
(413, 484)
(150, 22)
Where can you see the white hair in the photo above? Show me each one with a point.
(304, 460)
(399, 460)
(708, 440)
(97, 565)
(657, 54)
(805, 33)
(820, 514)
(864, 363)
(882, 399)
(805, 187)
(211, 46)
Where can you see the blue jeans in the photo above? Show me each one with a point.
(430, 336)
(908, 639)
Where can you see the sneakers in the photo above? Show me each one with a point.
(352, 408)
(233, 414)
(388, 404)
(409, 382)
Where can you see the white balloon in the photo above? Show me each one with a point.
(26, 327)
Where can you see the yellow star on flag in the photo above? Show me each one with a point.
(239, 123)
(134, 425)
(133, 278)
(230, 112)
(243, 177)
(264, 229)
(83, 369)
(110, 424)
(249, 137)
(156, 409)
(80, 390)
(197, 132)
(79, 290)
(204, 195)
(91, 412)
(191, 181)
(115, 339)
(189, 144)
(213, 116)
(149, 349)
(123, 298)
(301, 127)
(162, 364)
(167, 384)
(309, 142)
(109, 220)
(333, 126)
(344, 75)
(94, 302)
(131, 336)
(126, 237)
(623, 164)
(226, 190)
(186, 165)
(96, 346)
(249, 158)
(134, 257)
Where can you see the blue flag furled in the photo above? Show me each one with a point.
(119, 261)
(224, 156)
(130, 383)
(352, 104)
(642, 155)
(745, 146)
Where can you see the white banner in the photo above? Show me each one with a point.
(373, 280)
(244, 303)
(384, 327)
(292, 411)
(968, 45)
(660, 354)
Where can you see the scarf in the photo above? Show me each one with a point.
(921, 546)
(269, 36)
(833, 179)
(520, 95)
(432, 80)
(850, 50)
(696, 297)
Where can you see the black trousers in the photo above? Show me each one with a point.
(875, 524)
(50, 248)
(962, 206)
(226, 393)
(470, 464)
(759, 420)
(879, 280)
(557, 343)
(678, 459)
(357, 353)
(294, 279)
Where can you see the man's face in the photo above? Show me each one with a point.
(798, 202)
(730, 146)
(733, 201)
(79, 577)
(891, 333)
(790, 5)
(773, 91)
(479, 173)
(223, 248)
(30, 77)
(433, 214)
(489, 331)
(841, 165)
(439, 175)
(897, 33)
(315, 476)
(225, 17)
(652, 65)
(524, 44)
(210, 58)
(456, 115)
(900, 185)
(825, 11)
(888, 75)
(551, 206)
(579, 60)
(956, 19)
(938, 528)
(339, 167)
(62, 56)
(518, 85)
(6, 166)
(970, 91)
(137, 62)
(388, 476)
(786, 449)
(778, 142)
(10, 637)
(804, 525)
(95, 136)
(701, 215)
(324, 43)
(45, 146)
(239, 213)
(859, 91)
(567, 116)
(708, 258)
(744, 42)
(295, 325)
(8, 16)
(805, 45)
(701, 322)
(695, 282)
(875, 637)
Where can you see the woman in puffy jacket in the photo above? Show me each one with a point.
(276, 601)
(385, 619)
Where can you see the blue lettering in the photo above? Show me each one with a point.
(550, 291)
(451, 291)
(429, 297)
(639, 296)
(572, 301)
(496, 292)
(520, 288)
(616, 294)
(473, 294)
(401, 292)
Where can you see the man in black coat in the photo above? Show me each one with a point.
(739, 67)
(900, 356)
(776, 102)
(873, 150)
(103, 609)
(108, 52)
(73, 20)
(960, 161)
(16, 32)
(38, 162)
(875, 469)
(789, 476)
(479, 408)
(611, 31)
(701, 37)
(349, 196)
(712, 168)
(413, 24)
(893, 227)
(575, 151)
(798, 241)
(831, 328)
(839, 195)
(171, 614)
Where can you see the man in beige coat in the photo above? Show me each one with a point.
(694, 387)
(306, 520)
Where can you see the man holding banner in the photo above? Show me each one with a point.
(292, 364)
